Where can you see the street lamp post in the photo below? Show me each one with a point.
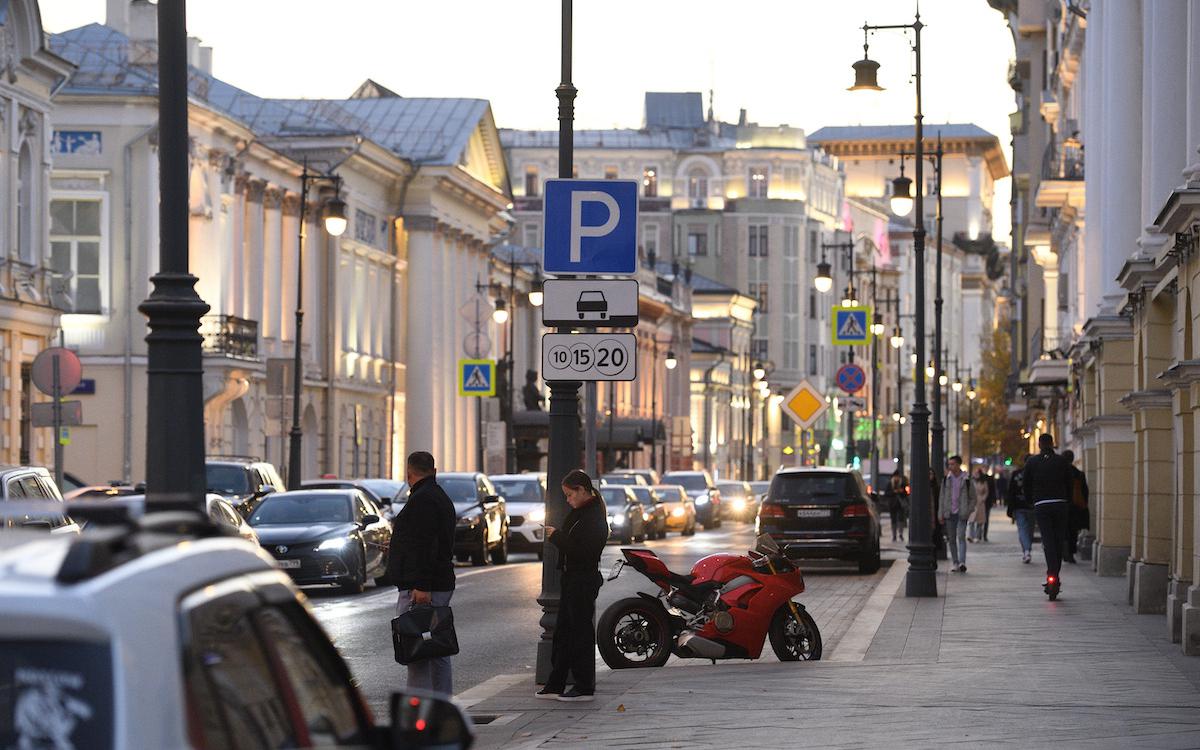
(175, 391)
(921, 579)
(670, 363)
(848, 301)
(335, 225)
(564, 394)
(971, 395)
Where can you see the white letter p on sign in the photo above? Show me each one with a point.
(578, 230)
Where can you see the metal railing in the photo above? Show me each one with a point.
(230, 336)
(1063, 162)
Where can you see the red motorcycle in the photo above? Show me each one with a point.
(726, 609)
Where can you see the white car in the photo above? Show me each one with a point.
(32, 501)
(219, 509)
(167, 635)
(525, 497)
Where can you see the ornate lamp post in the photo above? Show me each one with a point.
(922, 567)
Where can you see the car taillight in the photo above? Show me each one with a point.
(857, 510)
(771, 510)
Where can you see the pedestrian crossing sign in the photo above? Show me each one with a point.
(476, 377)
(850, 326)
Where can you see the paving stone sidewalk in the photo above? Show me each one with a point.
(990, 663)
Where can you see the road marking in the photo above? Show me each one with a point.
(854, 644)
(330, 606)
(488, 688)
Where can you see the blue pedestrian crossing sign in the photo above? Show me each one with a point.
(591, 226)
(850, 326)
(476, 377)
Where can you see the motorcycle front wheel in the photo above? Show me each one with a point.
(632, 633)
(792, 640)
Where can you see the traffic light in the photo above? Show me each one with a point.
(1008, 460)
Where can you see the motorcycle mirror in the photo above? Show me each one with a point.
(425, 719)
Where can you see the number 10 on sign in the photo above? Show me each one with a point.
(589, 356)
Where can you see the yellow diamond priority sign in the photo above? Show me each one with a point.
(805, 405)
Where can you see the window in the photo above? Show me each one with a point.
(650, 182)
(75, 243)
(812, 246)
(758, 240)
(759, 291)
(697, 185)
(697, 244)
(25, 200)
(759, 349)
(533, 235)
(531, 181)
(650, 241)
(610, 173)
(812, 359)
(758, 182)
(792, 355)
(365, 227)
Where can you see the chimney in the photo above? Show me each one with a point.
(742, 118)
(142, 22)
(116, 15)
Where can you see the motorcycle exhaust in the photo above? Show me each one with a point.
(692, 646)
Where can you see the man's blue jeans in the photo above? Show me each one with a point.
(430, 674)
(1025, 518)
(956, 539)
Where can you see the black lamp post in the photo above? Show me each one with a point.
(564, 394)
(175, 397)
(922, 567)
(335, 225)
(848, 301)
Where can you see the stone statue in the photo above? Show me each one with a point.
(531, 394)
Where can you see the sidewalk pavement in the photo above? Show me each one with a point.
(990, 662)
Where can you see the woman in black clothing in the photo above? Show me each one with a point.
(580, 542)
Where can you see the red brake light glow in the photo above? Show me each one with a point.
(858, 510)
(420, 725)
(771, 510)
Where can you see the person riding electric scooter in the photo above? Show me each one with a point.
(1047, 485)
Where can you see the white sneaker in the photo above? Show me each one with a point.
(1025, 558)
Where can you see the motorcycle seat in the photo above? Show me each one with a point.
(697, 591)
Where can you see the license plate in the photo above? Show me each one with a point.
(288, 563)
(812, 513)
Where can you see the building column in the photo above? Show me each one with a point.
(1192, 145)
(271, 308)
(289, 229)
(1112, 425)
(1184, 515)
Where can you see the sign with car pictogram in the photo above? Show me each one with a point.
(589, 356)
(592, 303)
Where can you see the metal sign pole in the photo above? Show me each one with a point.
(58, 444)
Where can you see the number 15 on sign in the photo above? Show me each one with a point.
(589, 356)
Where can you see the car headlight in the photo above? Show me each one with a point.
(330, 545)
(702, 499)
(645, 516)
(618, 519)
(468, 520)
(677, 513)
(739, 503)
(537, 515)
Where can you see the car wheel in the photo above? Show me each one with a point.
(358, 579)
(870, 562)
(541, 552)
(500, 551)
(480, 555)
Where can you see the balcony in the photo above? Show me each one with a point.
(229, 336)
(1062, 176)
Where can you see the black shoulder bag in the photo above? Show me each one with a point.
(424, 633)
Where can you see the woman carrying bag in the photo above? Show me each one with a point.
(580, 542)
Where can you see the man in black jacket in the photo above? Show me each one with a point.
(420, 560)
(1047, 485)
(1078, 517)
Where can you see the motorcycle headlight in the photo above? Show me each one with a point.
(618, 519)
(702, 499)
(677, 513)
(537, 515)
(331, 545)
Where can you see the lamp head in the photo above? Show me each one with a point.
(823, 281)
(500, 314)
(671, 361)
(942, 379)
(902, 200)
(866, 74)
(335, 217)
(759, 371)
(897, 339)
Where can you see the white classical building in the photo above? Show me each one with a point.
(31, 297)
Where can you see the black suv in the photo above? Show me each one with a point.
(242, 480)
(822, 513)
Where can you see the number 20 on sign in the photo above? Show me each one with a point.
(589, 356)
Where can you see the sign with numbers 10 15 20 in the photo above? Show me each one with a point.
(589, 356)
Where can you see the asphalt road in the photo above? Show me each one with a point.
(496, 613)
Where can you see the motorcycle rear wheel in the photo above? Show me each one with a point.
(791, 640)
(634, 633)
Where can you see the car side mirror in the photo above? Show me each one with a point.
(368, 519)
(263, 492)
(490, 500)
(425, 719)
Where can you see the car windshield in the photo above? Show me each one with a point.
(643, 495)
(819, 488)
(759, 487)
(226, 480)
(302, 508)
(386, 489)
(462, 491)
(620, 479)
(732, 489)
(613, 495)
(519, 490)
(690, 482)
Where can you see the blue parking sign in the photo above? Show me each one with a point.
(591, 226)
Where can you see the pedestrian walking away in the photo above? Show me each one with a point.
(1020, 511)
(955, 506)
(978, 518)
(1047, 485)
(580, 543)
(420, 560)
(1078, 517)
(898, 504)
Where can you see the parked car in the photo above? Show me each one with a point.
(33, 501)
(656, 525)
(704, 493)
(243, 481)
(737, 501)
(482, 530)
(678, 505)
(649, 475)
(325, 536)
(760, 491)
(822, 513)
(380, 491)
(218, 508)
(626, 516)
(621, 478)
(164, 635)
(104, 491)
(525, 497)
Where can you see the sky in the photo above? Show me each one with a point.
(784, 61)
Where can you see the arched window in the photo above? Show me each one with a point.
(25, 200)
(697, 183)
